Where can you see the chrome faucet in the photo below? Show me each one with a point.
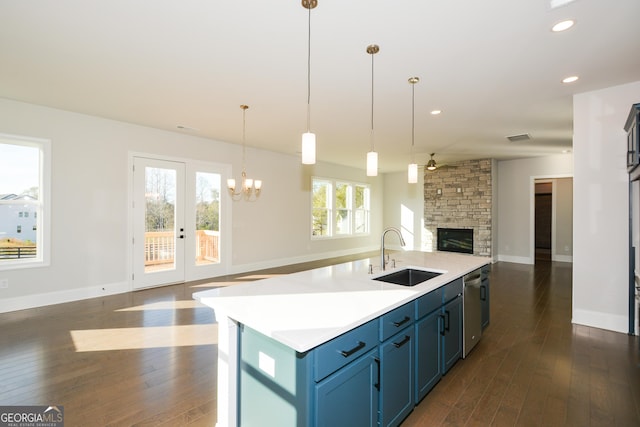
(382, 261)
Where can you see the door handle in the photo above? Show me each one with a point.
(347, 353)
(441, 324)
(406, 339)
(401, 322)
(448, 320)
(377, 385)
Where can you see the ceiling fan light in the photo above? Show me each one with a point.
(431, 164)
(308, 148)
(412, 173)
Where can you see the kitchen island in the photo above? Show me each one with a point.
(290, 323)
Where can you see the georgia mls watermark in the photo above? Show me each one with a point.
(31, 416)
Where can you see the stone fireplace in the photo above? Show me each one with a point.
(459, 196)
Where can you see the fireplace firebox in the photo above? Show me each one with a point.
(455, 240)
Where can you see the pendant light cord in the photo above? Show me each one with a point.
(309, 75)
(413, 117)
(244, 112)
(372, 146)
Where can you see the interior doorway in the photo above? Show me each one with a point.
(543, 220)
(551, 220)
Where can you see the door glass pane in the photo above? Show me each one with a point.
(160, 214)
(207, 211)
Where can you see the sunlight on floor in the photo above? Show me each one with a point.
(165, 305)
(144, 337)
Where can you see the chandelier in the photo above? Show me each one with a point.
(250, 189)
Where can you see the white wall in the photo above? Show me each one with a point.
(515, 197)
(90, 204)
(600, 258)
(404, 209)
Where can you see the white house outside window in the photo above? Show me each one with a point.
(339, 208)
(24, 184)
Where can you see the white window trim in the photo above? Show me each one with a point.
(44, 219)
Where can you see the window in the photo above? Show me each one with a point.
(339, 208)
(321, 208)
(24, 201)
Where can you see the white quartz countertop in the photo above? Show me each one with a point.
(305, 309)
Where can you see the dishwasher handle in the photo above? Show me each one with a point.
(472, 280)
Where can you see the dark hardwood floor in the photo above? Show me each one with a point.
(149, 358)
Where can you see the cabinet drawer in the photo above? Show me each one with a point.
(332, 355)
(429, 302)
(451, 290)
(396, 320)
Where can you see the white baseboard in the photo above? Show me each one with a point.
(59, 297)
(594, 319)
(515, 259)
(563, 258)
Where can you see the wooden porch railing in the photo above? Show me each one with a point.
(159, 247)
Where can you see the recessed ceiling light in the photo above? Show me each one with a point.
(562, 26)
(436, 112)
(570, 79)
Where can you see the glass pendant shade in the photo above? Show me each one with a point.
(308, 148)
(372, 163)
(412, 173)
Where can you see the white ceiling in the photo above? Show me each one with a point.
(493, 67)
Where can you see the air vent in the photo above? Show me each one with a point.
(519, 138)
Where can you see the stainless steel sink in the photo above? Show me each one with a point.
(408, 277)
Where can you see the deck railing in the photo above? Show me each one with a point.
(159, 247)
(17, 252)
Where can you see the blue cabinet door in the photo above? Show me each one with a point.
(428, 354)
(349, 397)
(452, 330)
(396, 377)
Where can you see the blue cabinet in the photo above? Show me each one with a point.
(428, 354)
(451, 332)
(349, 397)
(438, 335)
(373, 375)
(397, 365)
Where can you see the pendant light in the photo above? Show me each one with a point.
(309, 138)
(251, 188)
(372, 156)
(412, 172)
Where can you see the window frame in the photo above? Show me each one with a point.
(353, 212)
(42, 205)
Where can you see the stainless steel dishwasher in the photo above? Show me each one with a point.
(472, 315)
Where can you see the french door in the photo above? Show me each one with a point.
(178, 218)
